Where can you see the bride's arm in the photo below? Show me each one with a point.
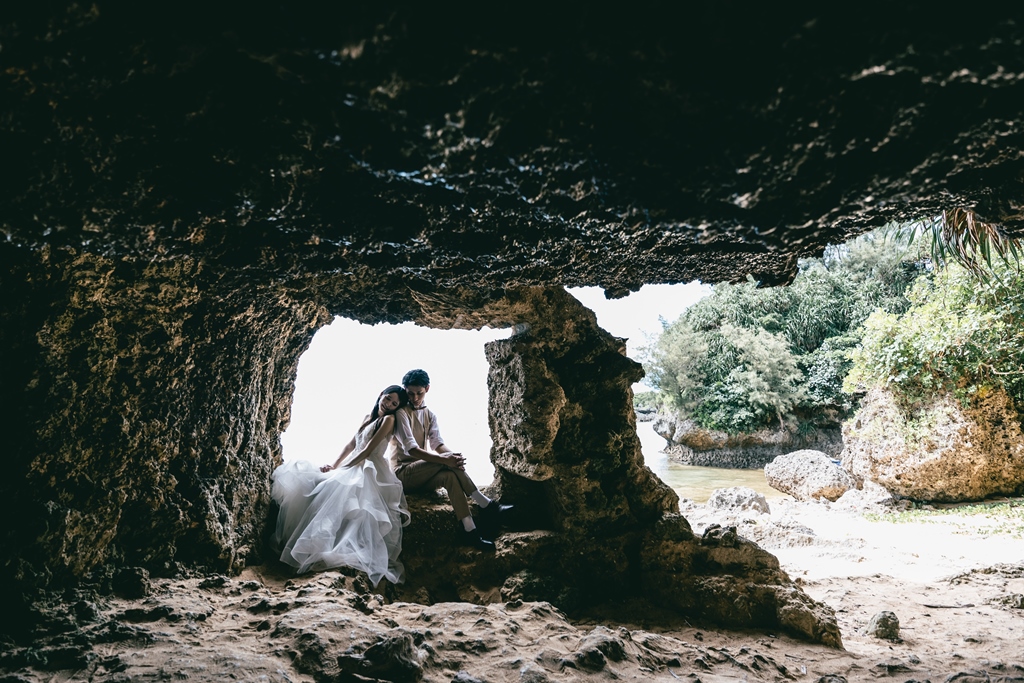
(349, 447)
(383, 433)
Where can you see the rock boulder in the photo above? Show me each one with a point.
(739, 498)
(870, 498)
(884, 625)
(943, 452)
(808, 475)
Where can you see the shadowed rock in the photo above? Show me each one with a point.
(566, 450)
(188, 199)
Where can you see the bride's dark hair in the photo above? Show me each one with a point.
(403, 398)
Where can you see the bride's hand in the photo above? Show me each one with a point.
(326, 468)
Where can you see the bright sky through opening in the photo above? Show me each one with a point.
(348, 364)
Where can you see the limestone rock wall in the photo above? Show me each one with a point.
(561, 414)
(943, 452)
(146, 406)
(566, 451)
(153, 396)
(188, 194)
(690, 444)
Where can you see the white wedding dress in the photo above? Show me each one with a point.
(350, 516)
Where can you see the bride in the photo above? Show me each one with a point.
(350, 513)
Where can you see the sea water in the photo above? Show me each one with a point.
(696, 483)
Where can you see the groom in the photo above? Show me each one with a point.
(423, 463)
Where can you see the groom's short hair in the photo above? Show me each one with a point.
(416, 378)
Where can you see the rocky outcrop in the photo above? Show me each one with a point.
(942, 452)
(565, 446)
(188, 198)
(690, 444)
(738, 499)
(808, 475)
(702, 580)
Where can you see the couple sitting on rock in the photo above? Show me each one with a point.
(351, 513)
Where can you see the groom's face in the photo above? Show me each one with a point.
(417, 395)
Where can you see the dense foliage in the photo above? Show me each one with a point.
(745, 358)
(961, 335)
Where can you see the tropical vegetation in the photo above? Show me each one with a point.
(961, 336)
(922, 310)
(745, 357)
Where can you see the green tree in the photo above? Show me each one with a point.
(745, 357)
(767, 380)
(679, 363)
(959, 336)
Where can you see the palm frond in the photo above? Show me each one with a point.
(958, 235)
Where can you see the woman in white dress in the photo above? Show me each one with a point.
(350, 513)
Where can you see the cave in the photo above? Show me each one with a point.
(189, 195)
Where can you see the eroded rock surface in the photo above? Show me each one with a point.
(807, 475)
(691, 444)
(331, 626)
(943, 452)
(738, 499)
(189, 196)
(566, 450)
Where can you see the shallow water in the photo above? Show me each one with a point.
(696, 483)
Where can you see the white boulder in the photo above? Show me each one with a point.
(738, 498)
(808, 475)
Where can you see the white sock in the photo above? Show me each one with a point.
(468, 523)
(481, 500)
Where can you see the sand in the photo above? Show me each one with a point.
(956, 585)
(954, 581)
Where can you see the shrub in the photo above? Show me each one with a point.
(960, 336)
(744, 357)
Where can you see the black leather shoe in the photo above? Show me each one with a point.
(496, 509)
(474, 540)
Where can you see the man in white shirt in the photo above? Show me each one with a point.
(423, 463)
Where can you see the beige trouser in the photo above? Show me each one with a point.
(430, 476)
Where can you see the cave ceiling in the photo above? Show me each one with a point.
(503, 145)
(187, 192)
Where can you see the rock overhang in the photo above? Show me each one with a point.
(543, 145)
(187, 200)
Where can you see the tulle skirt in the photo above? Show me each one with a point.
(350, 517)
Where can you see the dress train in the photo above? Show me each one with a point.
(350, 516)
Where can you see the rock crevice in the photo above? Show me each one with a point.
(187, 200)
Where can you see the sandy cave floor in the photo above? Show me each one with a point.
(957, 589)
(955, 582)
